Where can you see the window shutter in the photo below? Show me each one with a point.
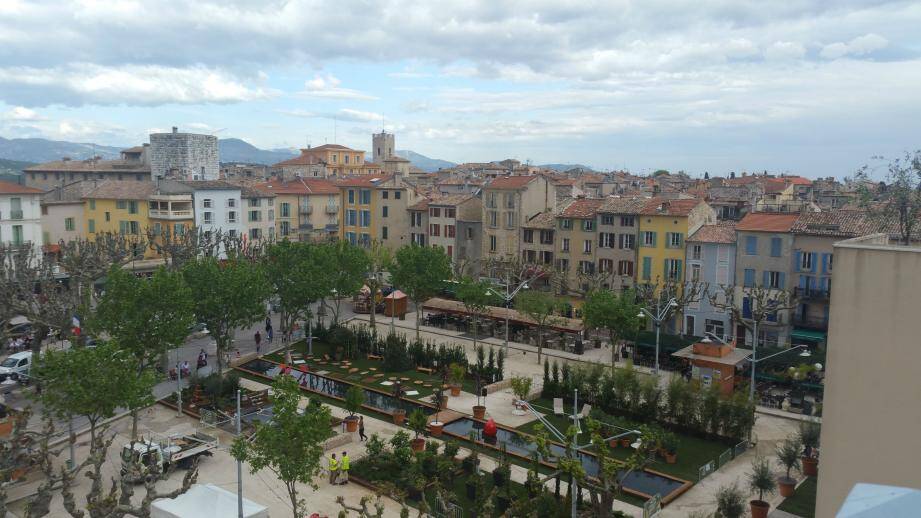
(783, 281)
(749, 278)
(654, 239)
(766, 278)
(814, 258)
(680, 239)
(601, 240)
(824, 263)
(678, 269)
(799, 261)
(802, 282)
(775, 246)
(647, 267)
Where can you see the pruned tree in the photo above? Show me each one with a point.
(379, 260)
(299, 276)
(347, 266)
(608, 483)
(753, 305)
(898, 199)
(420, 272)
(177, 246)
(290, 445)
(476, 296)
(540, 307)
(656, 295)
(617, 313)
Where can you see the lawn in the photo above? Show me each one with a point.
(802, 503)
(366, 371)
(693, 452)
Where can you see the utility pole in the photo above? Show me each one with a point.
(239, 466)
(574, 488)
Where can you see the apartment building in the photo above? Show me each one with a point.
(133, 164)
(664, 225)
(258, 213)
(326, 161)
(374, 208)
(62, 212)
(577, 228)
(171, 209)
(218, 205)
(814, 236)
(618, 229)
(711, 259)
(307, 208)
(117, 207)
(454, 223)
(764, 248)
(508, 201)
(20, 216)
(419, 222)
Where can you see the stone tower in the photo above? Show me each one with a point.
(184, 156)
(383, 145)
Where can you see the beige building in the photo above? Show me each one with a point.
(307, 209)
(618, 231)
(871, 422)
(454, 224)
(133, 164)
(576, 245)
(507, 202)
(62, 212)
(258, 213)
(374, 208)
(328, 160)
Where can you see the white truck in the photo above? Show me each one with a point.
(148, 456)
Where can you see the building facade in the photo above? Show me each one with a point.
(576, 230)
(118, 208)
(508, 201)
(184, 156)
(618, 230)
(538, 245)
(134, 164)
(383, 146)
(454, 224)
(258, 213)
(664, 225)
(20, 216)
(711, 260)
(326, 161)
(62, 213)
(307, 208)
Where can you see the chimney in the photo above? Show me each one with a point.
(175, 129)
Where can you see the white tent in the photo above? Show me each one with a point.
(206, 501)
(872, 500)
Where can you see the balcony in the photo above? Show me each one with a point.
(809, 322)
(307, 210)
(305, 226)
(332, 209)
(15, 214)
(171, 214)
(812, 294)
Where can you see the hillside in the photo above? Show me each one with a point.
(423, 162)
(38, 150)
(237, 150)
(13, 167)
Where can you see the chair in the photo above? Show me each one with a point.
(558, 406)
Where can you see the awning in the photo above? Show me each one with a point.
(806, 334)
(563, 324)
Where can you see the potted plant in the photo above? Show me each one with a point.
(670, 447)
(521, 387)
(354, 398)
(501, 474)
(788, 455)
(457, 378)
(417, 423)
(470, 463)
(809, 435)
(399, 415)
(761, 481)
(730, 502)
(416, 486)
(479, 410)
(436, 425)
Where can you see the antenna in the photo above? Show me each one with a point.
(335, 129)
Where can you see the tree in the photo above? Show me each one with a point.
(379, 260)
(299, 276)
(521, 387)
(788, 453)
(229, 295)
(347, 267)
(476, 296)
(657, 294)
(291, 444)
(420, 272)
(615, 312)
(612, 472)
(899, 198)
(730, 502)
(753, 305)
(144, 317)
(539, 306)
(178, 248)
(760, 478)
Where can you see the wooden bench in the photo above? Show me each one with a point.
(425, 370)
(375, 357)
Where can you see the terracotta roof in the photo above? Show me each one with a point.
(582, 208)
(669, 207)
(798, 180)
(90, 166)
(775, 185)
(302, 159)
(210, 185)
(511, 182)
(542, 220)
(450, 199)
(836, 223)
(461, 181)
(724, 232)
(299, 186)
(70, 193)
(363, 181)
(422, 204)
(623, 205)
(767, 222)
(122, 190)
(15, 188)
(249, 192)
(135, 149)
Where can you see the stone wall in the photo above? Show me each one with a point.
(184, 156)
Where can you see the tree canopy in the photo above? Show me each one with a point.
(540, 306)
(420, 272)
(617, 313)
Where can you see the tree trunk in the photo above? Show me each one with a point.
(418, 319)
(292, 494)
(474, 330)
(613, 349)
(373, 310)
(540, 342)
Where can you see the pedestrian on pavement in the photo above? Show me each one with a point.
(344, 469)
(333, 469)
(361, 429)
(258, 339)
(269, 334)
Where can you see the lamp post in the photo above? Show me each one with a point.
(658, 317)
(754, 361)
(508, 297)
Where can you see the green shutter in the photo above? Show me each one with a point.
(647, 268)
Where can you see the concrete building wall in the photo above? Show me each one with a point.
(383, 146)
(870, 420)
(27, 224)
(575, 251)
(620, 249)
(54, 221)
(185, 156)
(761, 261)
(716, 264)
(324, 216)
(815, 283)
(512, 208)
(397, 219)
(258, 213)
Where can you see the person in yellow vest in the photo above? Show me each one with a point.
(333, 469)
(344, 469)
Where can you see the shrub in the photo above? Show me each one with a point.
(354, 398)
(457, 373)
(809, 435)
(418, 422)
(760, 478)
(730, 502)
(451, 450)
(521, 386)
(375, 446)
(788, 454)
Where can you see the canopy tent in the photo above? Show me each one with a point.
(872, 500)
(565, 325)
(206, 501)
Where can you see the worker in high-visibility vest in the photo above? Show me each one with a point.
(344, 469)
(333, 469)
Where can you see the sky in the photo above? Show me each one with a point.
(815, 88)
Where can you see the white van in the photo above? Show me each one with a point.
(16, 366)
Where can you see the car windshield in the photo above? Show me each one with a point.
(9, 362)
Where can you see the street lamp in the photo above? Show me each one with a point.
(658, 317)
(805, 354)
(508, 297)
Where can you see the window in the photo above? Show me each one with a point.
(546, 257)
(605, 265)
(385, 194)
(606, 240)
(607, 219)
(450, 212)
(255, 215)
(528, 236)
(271, 214)
(587, 246)
(673, 239)
(415, 219)
(121, 204)
(806, 261)
(695, 252)
(92, 204)
(384, 211)
(232, 216)
(776, 246)
(351, 217)
(383, 232)
(254, 233)
(69, 224)
(231, 202)
(564, 265)
(178, 229)
(435, 212)
(673, 269)
(450, 251)
(546, 237)
(108, 216)
(625, 267)
(286, 210)
(206, 203)
(749, 281)
(649, 238)
(830, 257)
(774, 280)
(715, 327)
(492, 216)
(351, 196)
(255, 202)
(491, 200)
(626, 241)
(510, 200)
(695, 273)
(565, 244)
(346, 158)
(17, 235)
(449, 231)
(588, 225)
(208, 218)
(365, 218)
(510, 219)
(134, 227)
(627, 221)
(434, 230)
(396, 195)
(469, 232)
(365, 197)
(751, 245)
(492, 243)
(566, 224)
(132, 207)
(586, 267)
(92, 226)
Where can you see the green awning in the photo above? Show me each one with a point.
(806, 334)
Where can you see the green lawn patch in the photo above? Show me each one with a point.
(802, 503)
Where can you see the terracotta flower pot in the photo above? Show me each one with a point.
(418, 444)
(455, 390)
(351, 423)
(810, 466)
(435, 428)
(615, 443)
(444, 401)
(759, 508)
(479, 411)
(787, 486)
(399, 416)
(626, 442)
(671, 458)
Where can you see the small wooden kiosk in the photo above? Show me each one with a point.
(395, 304)
(715, 363)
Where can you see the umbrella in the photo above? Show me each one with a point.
(873, 500)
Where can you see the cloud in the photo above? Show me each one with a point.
(327, 87)
(784, 50)
(859, 46)
(86, 83)
(19, 113)
(345, 114)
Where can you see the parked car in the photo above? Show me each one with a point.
(16, 366)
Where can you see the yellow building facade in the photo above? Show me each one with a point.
(664, 225)
(117, 207)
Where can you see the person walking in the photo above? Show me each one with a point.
(258, 339)
(268, 324)
(269, 334)
(344, 469)
(333, 469)
(361, 429)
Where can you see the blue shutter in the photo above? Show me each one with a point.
(815, 259)
(765, 278)
(654, 236)
(678, 269)
(776, 245)
(746, 308)
(802, 282)
(751, 245)
(799, 261)
(823, 283)
(749, 278)
(665, 270)
(783, 281)
(825, 263)
(812, 283)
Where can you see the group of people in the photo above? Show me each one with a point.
(339, 469)
(20, 343)
(269, 335)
